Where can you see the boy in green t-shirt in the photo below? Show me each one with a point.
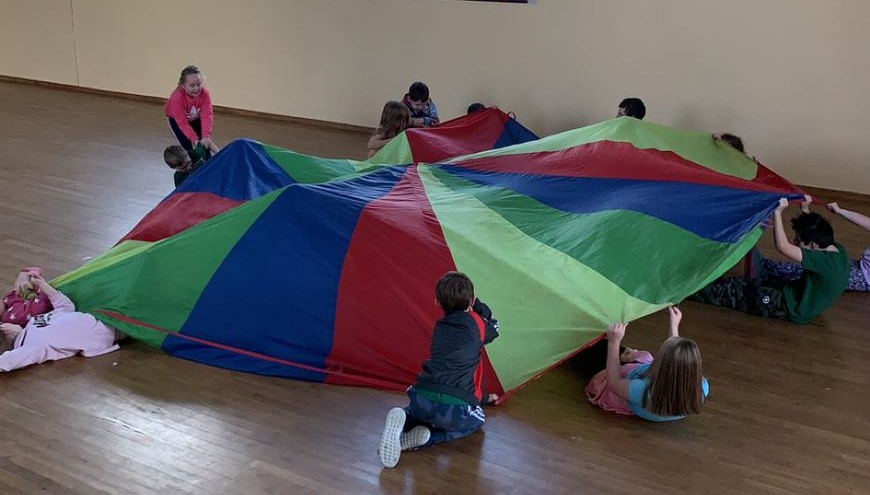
(183, 162)
(825, 274)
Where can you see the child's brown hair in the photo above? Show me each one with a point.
(394, 119)
(675, 379)
(454, 292)
(175, 156)
(734, 141)
(187, 71)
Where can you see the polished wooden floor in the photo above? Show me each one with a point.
(789, 410)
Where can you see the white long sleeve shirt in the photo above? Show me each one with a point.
(59, 334)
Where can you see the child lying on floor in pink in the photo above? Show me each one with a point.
(58, 334)
(23, 301)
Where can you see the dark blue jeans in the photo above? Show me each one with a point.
(445, 421)
(182, 139)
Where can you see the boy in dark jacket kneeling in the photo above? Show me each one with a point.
(447, 397)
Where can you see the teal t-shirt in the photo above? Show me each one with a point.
(824, 279)
(636, 389)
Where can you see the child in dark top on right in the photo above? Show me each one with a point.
(824, 278)
(732, 140)
(631, 107)
(445, 402)
(859, 272)
(475, 107)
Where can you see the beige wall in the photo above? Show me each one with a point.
(36, 40)
(788, 75)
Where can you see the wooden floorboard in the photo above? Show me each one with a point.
(787, 414)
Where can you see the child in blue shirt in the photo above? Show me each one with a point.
(423, 111)
(668, 388)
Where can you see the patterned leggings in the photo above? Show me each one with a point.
(744, 294)
(787, 270)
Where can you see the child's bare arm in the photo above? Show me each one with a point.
(788, 249)
(675, 317)
(377, 142)
(858, 219)
(615, 381)
(210, 144)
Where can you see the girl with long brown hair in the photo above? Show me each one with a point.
(395, 118)
(666, 388)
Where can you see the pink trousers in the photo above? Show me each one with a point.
(600, 394)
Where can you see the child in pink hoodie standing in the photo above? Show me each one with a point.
(58, 334)
(190, 113)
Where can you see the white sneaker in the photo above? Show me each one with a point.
(391, 446)
(417, 437)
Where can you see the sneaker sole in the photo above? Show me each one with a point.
(417, 437)
(391, 448)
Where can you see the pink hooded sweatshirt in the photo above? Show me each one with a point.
(59, 334)
(185, 108)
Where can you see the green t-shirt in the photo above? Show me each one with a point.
(198, 156)
(440, 398)
(180, 177)
(825, 278)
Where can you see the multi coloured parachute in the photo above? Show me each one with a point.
(246, 170)
(283, 264)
